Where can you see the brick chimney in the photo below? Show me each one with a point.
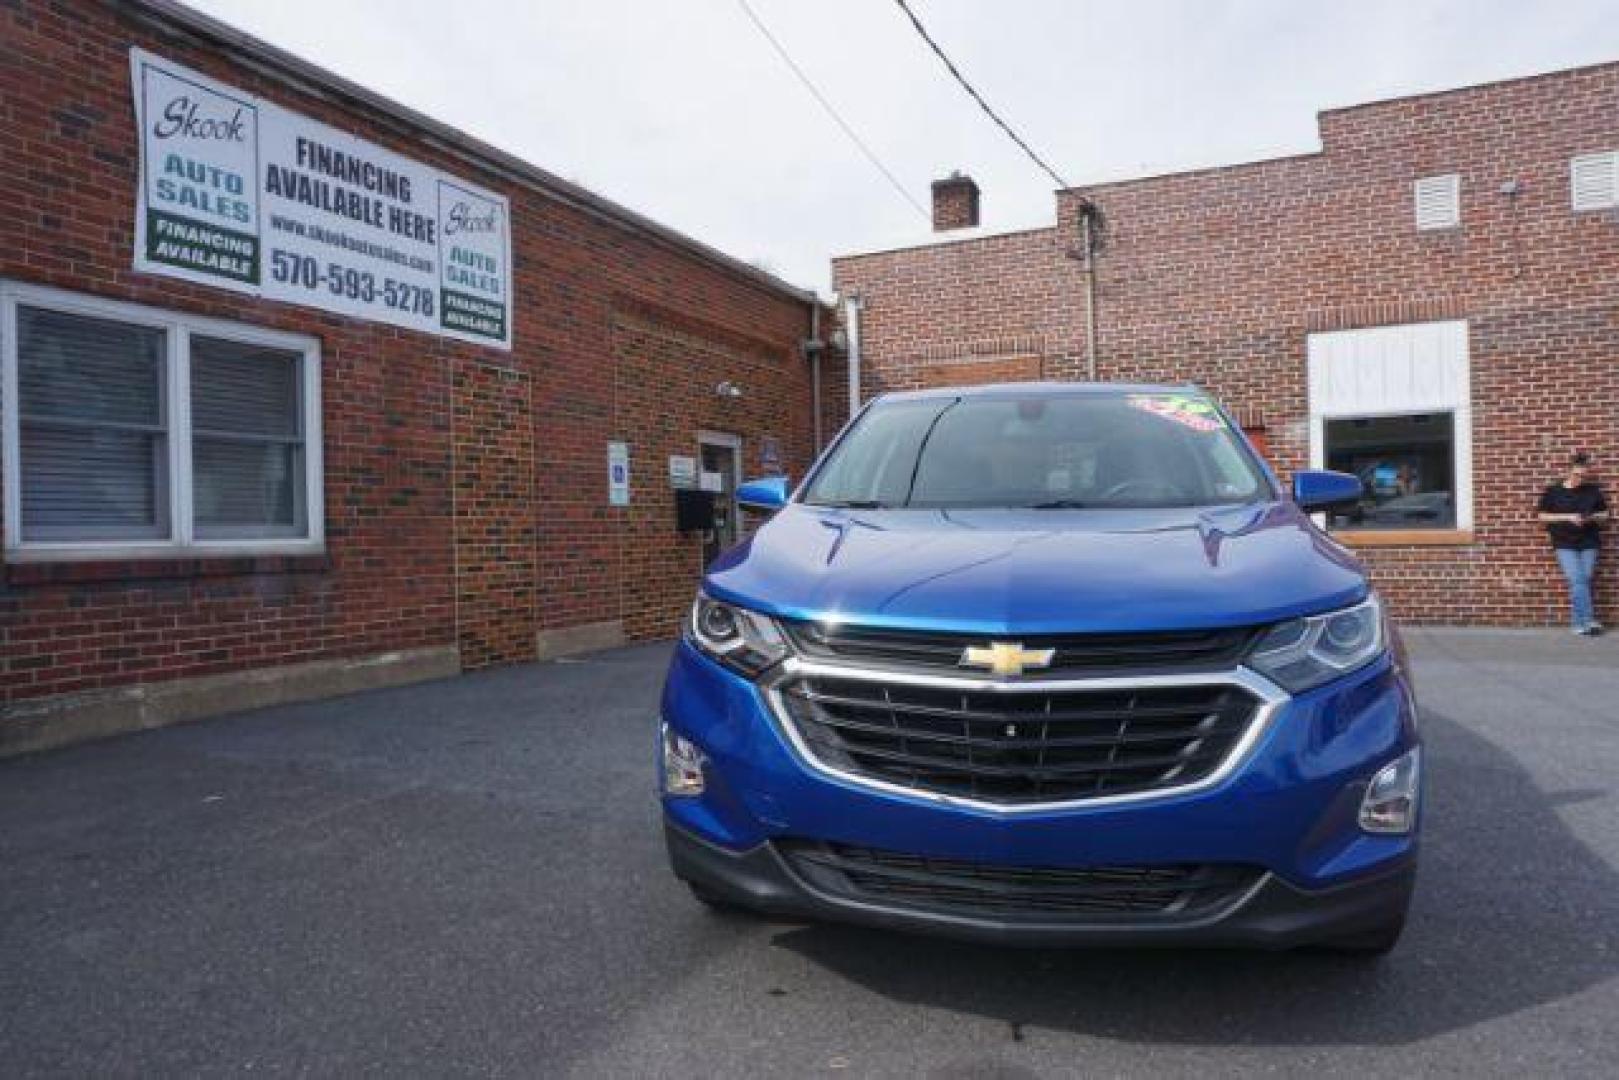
(955, 203)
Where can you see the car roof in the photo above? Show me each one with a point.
(1041, 389)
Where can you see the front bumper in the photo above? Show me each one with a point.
(1272, 914)
(1288, 809)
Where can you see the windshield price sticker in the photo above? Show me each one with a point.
(1192, 412)
(239, 193)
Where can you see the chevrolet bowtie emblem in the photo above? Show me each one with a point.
(1005, 657)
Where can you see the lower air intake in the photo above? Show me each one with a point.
(953, 886)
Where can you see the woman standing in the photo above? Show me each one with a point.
(1574, 511)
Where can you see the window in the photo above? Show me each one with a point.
(247, 475)
(1391, 405)
(1438, 201)
(1594, 181)
(94, 428)
(1406, 466)
(131, 431)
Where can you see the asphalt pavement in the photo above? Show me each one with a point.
(467, 877)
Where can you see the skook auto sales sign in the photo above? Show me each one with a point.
(242, 194)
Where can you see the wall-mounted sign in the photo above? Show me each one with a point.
(239, 193)
(682, 471)
(711, 481)
(618, 474)
(770, 455)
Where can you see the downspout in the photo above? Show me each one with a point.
(851, 308)
(815, 369)
(1088, 263)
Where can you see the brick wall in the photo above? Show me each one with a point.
(495, 449)
(964, 301)
(1218, 276)
(984, 369)
(466, 488)
(658, 356)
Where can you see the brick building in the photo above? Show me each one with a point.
(1431, 300)
(217, 498)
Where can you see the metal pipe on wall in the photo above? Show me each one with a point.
(815, 370)
(851, 308)
(1087, 241)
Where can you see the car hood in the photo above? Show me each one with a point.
(1040, 571)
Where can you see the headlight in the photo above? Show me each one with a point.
(742, 640)
(1304, 653)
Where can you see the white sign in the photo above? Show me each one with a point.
(242, 194)
(682, 471)
(618, 474)
(711, 481)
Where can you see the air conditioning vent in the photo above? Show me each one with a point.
(1594, 181)
(1438, 201)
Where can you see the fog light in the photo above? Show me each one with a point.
(682, 765)
(1390, 805)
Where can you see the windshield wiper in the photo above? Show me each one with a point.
(852, 504)
(1057, 504)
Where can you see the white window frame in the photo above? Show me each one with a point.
(178, 327)
(1459, 408)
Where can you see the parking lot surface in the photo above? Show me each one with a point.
(467, 877)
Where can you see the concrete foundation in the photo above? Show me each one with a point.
(569, 640)
(59, 721)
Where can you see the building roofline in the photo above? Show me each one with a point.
(1334, 111)
(1465, 88)
(288, 67)
(944, 240)
(1201, 170)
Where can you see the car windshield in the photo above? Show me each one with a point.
(1051, 451)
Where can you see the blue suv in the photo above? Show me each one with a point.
(1047, 664)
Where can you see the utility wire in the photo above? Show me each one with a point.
(871, 155)
(976, 96)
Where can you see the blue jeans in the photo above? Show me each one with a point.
(1580, 567)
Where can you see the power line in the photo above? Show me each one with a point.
(871, 155)
(976, 96)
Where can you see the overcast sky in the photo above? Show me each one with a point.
(682, 111)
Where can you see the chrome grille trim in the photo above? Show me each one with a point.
(1271, 698)
(1074, 655)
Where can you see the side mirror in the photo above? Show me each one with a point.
(1321, 489)
(764, 496)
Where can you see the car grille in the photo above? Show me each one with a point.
(1026, 745)
(955, 886)
(1167, 651)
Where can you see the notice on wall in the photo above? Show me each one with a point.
(682, 472)
(770, 455)
(239, 193)
(618, 474)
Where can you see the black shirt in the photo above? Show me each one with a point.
(1585, 499)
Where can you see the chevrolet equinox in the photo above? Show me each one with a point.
(1047, 664)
